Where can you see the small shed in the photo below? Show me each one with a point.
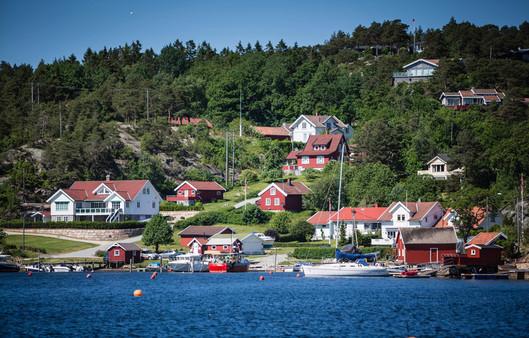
(482, 252)
(224, 243)
(252, 244)
(425, 245)
(119, 254)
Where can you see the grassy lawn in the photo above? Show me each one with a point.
(50, 245)
(234, 195)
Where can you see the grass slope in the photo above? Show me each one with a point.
(51, 245)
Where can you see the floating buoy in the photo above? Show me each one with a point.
(270, 272)
(29, 273)
(88, 275)
(298, 275)
(261, 278)
(138, 293)
(154, 275)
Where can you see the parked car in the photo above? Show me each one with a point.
(148, 254)
(169, 254)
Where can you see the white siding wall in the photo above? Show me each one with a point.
(252, 245)
(69, 212)
(300, 134)
(145, 201)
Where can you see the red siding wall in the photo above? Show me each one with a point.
(420, 253)
(313, 161)
(490, 257)
(289, 203)
(204, 196)
(124, 256)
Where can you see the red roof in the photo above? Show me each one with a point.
(200, 240)
(83, 190)
(332, 140)
(434, 61)
(467, 93)
(272, 131)
(184, 121)
(418, 210)
(203, 185)
(321, 217)
(486, 238)
(293, 155)
(361, 214)
(289, 188)
(443, 221)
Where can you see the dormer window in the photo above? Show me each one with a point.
(304, 125)
(103, 191)
(272, 191)
(401, 217)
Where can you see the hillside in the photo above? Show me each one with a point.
(107, 113)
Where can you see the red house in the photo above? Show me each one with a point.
(482, 252)
(189, 192)
(425, 245)
(319, 150)
(283, 196)
(119, 254)
(201, 233)
(222, 243)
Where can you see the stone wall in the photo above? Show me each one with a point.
(178, 215)
(85, 234)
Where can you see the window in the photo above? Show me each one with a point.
(305, 160)
(272, 191)
(138, 204)
(61, 206)
(127, 204)
(213, 247)
(186, 193)
(276, 201)
(148, 191)
(319, 160)
(224, 247)
(400, 217)
(473, 252)
(98, 205)
(391, 234)
(304, 125)
(116, 205)
(116, 253)
(268, 201)
(153, 205)
(218, 193)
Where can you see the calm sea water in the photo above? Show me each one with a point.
(240, 305)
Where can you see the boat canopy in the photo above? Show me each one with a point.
(342, 256)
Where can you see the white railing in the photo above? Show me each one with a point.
(100, 211)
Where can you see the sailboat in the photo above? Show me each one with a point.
(358, 266)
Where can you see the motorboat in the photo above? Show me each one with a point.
(7, 264)
(344, 269)
(61, 268)
(188, 263)
(228, 263)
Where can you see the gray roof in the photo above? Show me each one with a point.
(428, 235)
(126, 246)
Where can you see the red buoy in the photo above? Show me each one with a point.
(261, 278)
(154, 275)
(29, 273)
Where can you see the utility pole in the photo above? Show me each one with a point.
(240, 111)
(414, 33)
(233, 160)
(147, 101)
(23, 212)
(226, 164)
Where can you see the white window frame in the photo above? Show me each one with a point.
(277, 201)
(64, 206)
(272, 191)
(320, 159)
(305, 160)
(472, 252)
(268, 201)
(117, 252)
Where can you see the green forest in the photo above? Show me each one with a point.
(75, 119)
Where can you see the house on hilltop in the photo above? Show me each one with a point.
(284, 196)
(439, 168)
(109, 200)
(462, 99)
(308, 125)
(190, 192)
(418, 70)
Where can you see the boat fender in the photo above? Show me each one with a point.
(29, 273)
(138, 293)
(261, 278)
(154, 275)
(88, 275)
(298, 275)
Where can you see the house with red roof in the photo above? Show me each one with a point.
(119, 254)
(482, 252)
(485, 219)
(189, 192)
(186, 121)
(108, 200)
(407, 215)
(418, 70)
(309, 125)
(462, 99)
(283, 196)
(319, 150)
(274, 133)
(320, 222)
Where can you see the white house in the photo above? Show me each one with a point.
(474, 96)
(418, 70)
(485, 219)
(252, 244)
(322, 228)
(438, 168)
(407, 215)
(307, 125)
(107, 200)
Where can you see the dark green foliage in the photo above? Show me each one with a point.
(301, 231)
(313, 253)
(157, 232)
(272, 233)
(300, 245)
(3, 235)
(172, 206)
(254, 215)
(17, 223)
(229, 216)
(281, 222)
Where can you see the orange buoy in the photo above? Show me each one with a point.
(154, 275)
(30, 273)
(261, 278)
(138, 293)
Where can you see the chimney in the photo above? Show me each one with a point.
(107, 177)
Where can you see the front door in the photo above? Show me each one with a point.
(434, 255)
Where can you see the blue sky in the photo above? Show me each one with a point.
(36, 29)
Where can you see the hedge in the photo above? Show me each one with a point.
(251, 215)
(171, 206)
(72, 225)
(314, 253)
(299, 245)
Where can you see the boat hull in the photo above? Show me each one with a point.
(344, 270)
(218, 267)
(9, 267)
(187, 267)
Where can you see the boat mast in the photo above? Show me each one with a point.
(339, 196)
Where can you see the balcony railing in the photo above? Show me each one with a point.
(381, 241)
(100, 211)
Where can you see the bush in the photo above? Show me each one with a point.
(313, 253)
(281, 222)
(254, 215)
(311, 173)
(72, 225)
(172, 206)
(195, 174)
(249, 175)
(272, 233)
(271, 175)
(302, 231)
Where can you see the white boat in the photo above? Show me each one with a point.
(344, 270)
(188, 263)
(268, 241)
(61, 268)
